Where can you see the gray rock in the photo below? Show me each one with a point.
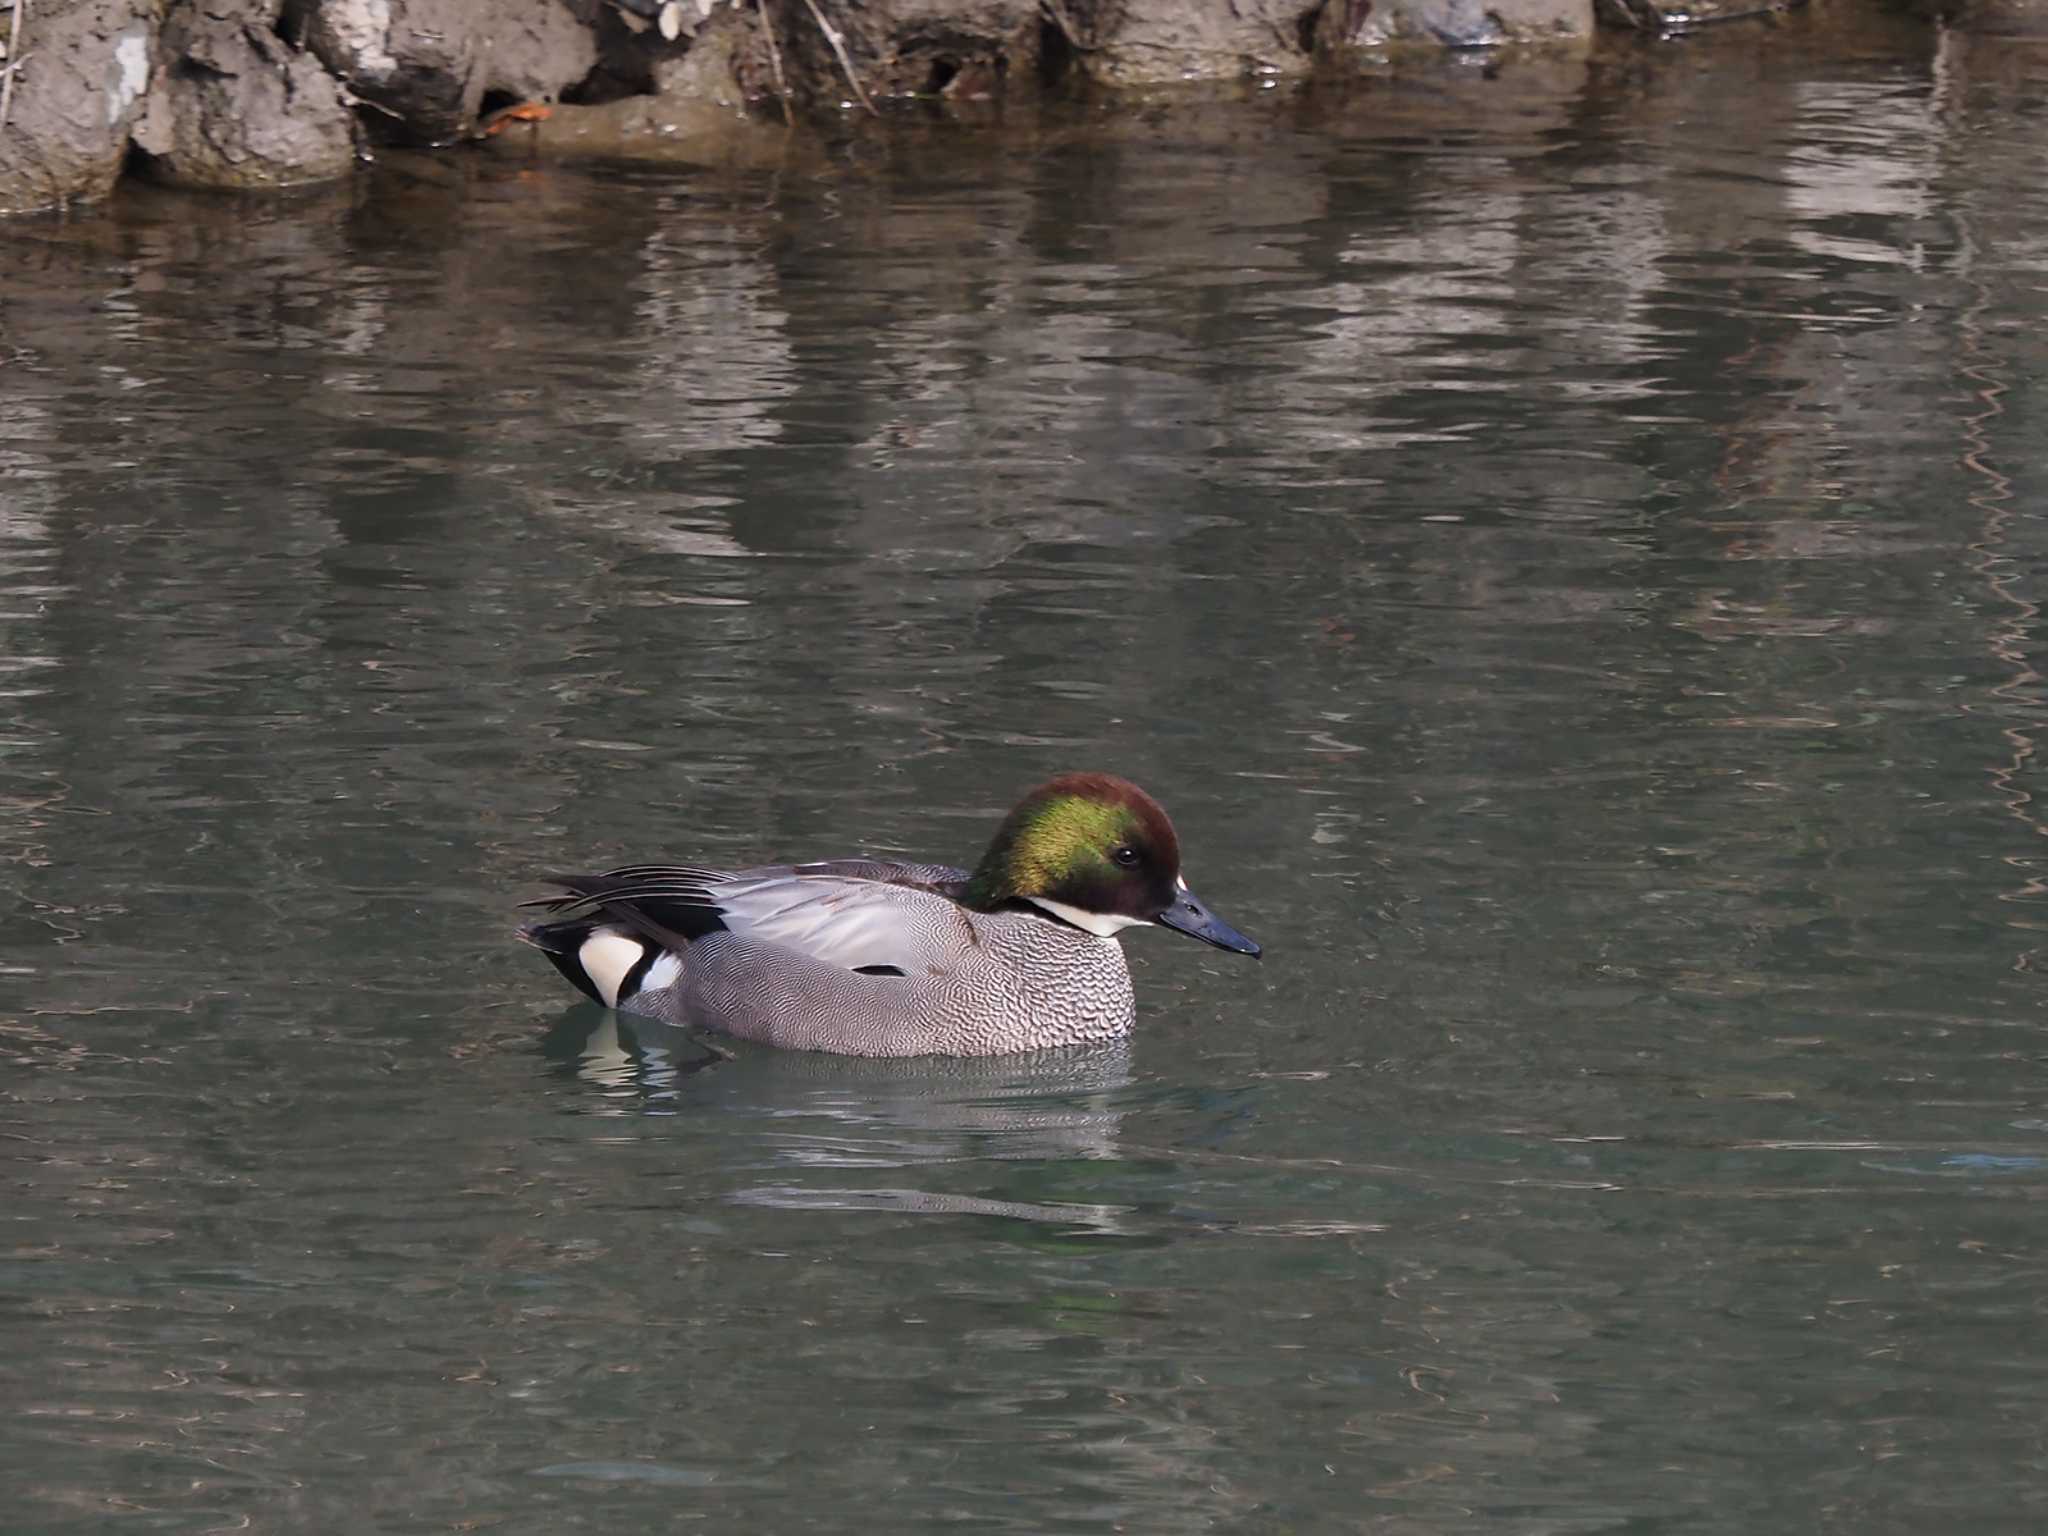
(85, 65)
(1355, 24)
(233, 106)
(427, 65)
(1151, 42)
(1512, 21)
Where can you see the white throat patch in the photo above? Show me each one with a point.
(1104, 925)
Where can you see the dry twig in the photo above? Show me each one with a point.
(15, 60)
(1065, 23)
(839, 48)
(775, 59)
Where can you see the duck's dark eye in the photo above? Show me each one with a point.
(1126, 856)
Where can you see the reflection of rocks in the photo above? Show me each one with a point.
(233, 107)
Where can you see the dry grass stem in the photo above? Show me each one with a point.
(15, 60)
(775, 60)
(839, 49)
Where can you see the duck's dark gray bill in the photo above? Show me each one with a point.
(1191, 917)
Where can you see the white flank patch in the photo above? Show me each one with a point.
(662, 973)
(1104, 925)
(606, 956)
(1181, 881)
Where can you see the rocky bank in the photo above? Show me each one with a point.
(240, 94)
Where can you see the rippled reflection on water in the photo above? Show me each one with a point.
(1562, 546)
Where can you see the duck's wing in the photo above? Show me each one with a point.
(861, 914)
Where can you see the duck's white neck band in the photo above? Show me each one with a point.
(1104, 925)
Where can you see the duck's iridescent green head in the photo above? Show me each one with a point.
(1097, 852)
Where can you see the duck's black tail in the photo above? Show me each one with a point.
(624, 932)
(600, 959)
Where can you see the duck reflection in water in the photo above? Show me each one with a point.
(1056, 1104)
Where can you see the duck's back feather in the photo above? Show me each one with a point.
(854, 913)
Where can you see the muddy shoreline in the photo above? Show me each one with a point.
(238, 95)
